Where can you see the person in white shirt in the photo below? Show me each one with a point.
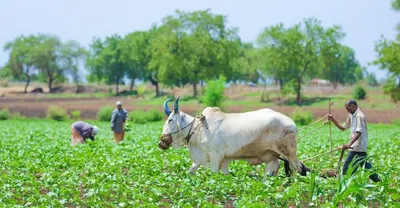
(358, 138)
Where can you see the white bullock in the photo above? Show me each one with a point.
(216, 138)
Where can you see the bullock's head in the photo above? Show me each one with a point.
(172, 126)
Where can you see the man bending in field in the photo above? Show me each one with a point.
(82, 131)
(358, 138)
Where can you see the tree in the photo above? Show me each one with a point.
(396, 5)
(340, 66)
(274, 48)
(308, 42)
(191, 46)
(105, 61)
(246, 63)
(388, 58)
(49, 59)
(21, 61)
(360, 73)
(371, 80)
(136, 54)
(5, 71)
(235, 60)
(73, 55)
(94, 61)
(339, 60)
(391, 88)
(293, 53)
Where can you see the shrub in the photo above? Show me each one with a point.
(138, 117)
(17, 115)
(390, 88)
(184, 98)
(76, 114)
(141, 117)
(105, 113)
(359, 93)
(56, 113)
(396, 121)
(141, 90)
(4, 83)
(302, 117)
(128, 93)
(214, 92)
(4, 114)
(154, 115)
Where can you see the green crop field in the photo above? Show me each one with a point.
(39, 168)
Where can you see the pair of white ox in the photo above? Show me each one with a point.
(216, 138)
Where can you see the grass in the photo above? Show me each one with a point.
(40, 168)
(152, 101)
(80, 95)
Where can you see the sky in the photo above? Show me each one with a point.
(363, 21)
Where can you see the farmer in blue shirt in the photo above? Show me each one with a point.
(118, 119)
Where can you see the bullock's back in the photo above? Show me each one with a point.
(250, 122)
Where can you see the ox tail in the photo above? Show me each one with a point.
(288, 171)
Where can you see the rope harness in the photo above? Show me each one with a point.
(333, 150)
(201, 119)
(190, 133)
(318, 127)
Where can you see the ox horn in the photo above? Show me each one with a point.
(166, 109)
(176, 105)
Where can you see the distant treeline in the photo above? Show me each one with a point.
(193, 47)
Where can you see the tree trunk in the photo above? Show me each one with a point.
(202, 86)
(157, 90)
(117, 86)
(155, 83)
(263, 92)
(50, 84)
(194, 89)
(298, 90)
(280, 84)
(335, 85)
(27, 83)
(132, 84)
(335, 82)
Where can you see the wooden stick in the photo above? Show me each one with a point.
(330, 123)
(330, 128)
(319, 155)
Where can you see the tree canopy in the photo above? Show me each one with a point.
(190, 48)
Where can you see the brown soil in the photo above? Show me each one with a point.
(31, 106)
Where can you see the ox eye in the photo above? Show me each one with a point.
(169, 120)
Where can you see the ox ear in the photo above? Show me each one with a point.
(176, 105)
(166, 109)
(179, 121)
(178, 124)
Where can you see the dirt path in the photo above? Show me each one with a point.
(37, 106)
